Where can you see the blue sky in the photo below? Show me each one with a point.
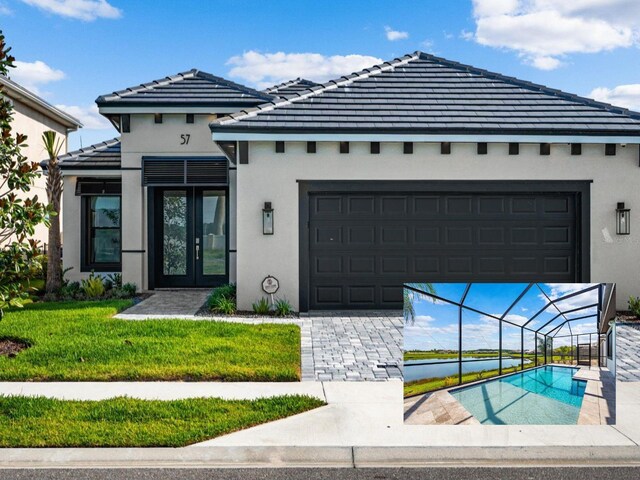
(71, 51)
(436, 322)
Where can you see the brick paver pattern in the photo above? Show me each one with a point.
(355, 346)
(628, 352)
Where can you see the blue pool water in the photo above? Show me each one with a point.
(540, 396)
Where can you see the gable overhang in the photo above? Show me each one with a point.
(382, 136)
(17, 92)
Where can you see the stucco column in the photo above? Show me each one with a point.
(133, 229)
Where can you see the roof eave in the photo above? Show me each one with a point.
(40, 105)
(235, 133)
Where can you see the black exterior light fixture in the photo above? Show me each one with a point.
(623, 220)
(267, 219)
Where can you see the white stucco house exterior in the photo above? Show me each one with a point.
(32, 116)
(416, 170)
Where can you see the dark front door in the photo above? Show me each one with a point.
(363, 245)
(190, 237)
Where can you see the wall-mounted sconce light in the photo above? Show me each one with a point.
(267, 219)
(623, 223)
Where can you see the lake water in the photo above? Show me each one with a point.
(421, 369)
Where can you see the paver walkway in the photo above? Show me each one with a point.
(179, 303)
(341, 346)
(628, 352)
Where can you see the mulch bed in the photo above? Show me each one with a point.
(10, 348)
(627, 317)
(205, 312)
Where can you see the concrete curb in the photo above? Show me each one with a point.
(344, 457)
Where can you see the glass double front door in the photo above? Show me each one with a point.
(190, 237)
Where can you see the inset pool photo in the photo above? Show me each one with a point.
(509, 354)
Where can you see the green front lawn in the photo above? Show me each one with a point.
(79, 341)
(128, 422)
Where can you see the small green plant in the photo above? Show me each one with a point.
(226, 306)
(93, 287)
(282, 308)
(129, 289)
(479, 375)
(113, 280)
(261, 307)
(223, 299)
(634, 305)
(450, 381)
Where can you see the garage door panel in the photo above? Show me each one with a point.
(491, 205)
(362, 264)
(426, 205)
(459, 205)
(364, 205)
(394, 205)
(364, 246)
(361, 235)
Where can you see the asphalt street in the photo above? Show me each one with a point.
(438, 473)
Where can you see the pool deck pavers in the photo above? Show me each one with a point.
(441, 408)
(437, 408)
(335, 346)
(599, 401)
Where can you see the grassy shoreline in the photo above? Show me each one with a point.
(418, 387)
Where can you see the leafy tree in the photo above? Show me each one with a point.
(53, 146)
(19, 216)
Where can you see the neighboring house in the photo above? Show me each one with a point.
(32, 116)
(419, 169)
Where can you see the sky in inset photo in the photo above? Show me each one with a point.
(436, 322)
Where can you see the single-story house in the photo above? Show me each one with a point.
(419, 169)
(32, 116)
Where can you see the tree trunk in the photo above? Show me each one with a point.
(54, 193)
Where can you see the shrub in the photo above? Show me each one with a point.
(223, 292)
(129, 289)
(93, 287)
(226, 306)
(261, 307)
(634, 305)
(282, 308)
(70, 290)
(479, 375)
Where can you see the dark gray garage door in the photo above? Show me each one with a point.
(364, 245)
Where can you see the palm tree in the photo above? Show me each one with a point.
(53, 146)
(409, 296)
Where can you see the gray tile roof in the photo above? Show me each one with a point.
(189, 89)
(424, 94)
(101, 155)
(291, 88)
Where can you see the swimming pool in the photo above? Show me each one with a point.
(540, 396)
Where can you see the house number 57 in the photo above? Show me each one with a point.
(184, 139)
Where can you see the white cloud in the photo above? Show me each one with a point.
(627, 96)
(394, 35)
(427, 45)
(543, 32)
(32, 75)
(266, 69)
(88, 115)
(4, 10)
(87, 10)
